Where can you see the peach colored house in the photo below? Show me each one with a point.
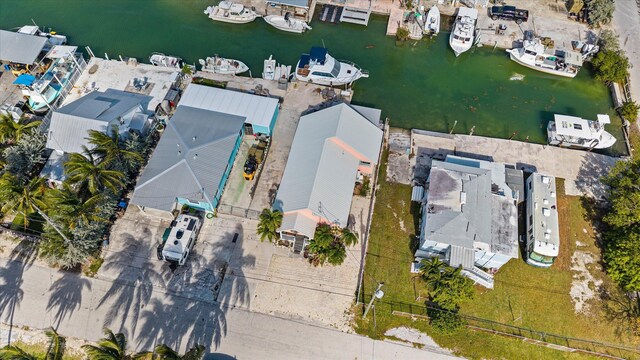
(331, 150)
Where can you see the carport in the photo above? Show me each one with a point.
(20, 48)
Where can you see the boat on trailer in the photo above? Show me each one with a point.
(220, 65)
(287, 23)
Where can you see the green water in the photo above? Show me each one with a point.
(417, 84)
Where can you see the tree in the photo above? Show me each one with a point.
(327, 246)
(629, 111)
(348, 237)
(609, 41)
(85, 171)
(110, 149)
(12, 352)
(12, 131)
(402, 34)
(270, 221)
(24, 157)
(164, 352)
(20, 198)
(446, 285)
(70, 208)
(55, 349)
(610, 66)
(111, 347)
(599, 11)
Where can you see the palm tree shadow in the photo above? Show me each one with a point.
(235, 290)
(66, 296)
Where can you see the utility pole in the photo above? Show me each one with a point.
(50, 222)
(377, 294)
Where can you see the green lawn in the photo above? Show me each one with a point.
(524, 295)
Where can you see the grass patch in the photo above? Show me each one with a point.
(35, 225)
(91, 267)
(524, 295)
(209, 82)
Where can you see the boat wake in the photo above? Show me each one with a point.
(516, 77)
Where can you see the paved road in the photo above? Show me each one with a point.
(39, 297)
(626, 21)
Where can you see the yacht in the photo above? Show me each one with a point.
(319, 67)
(534, 55)
(53, 38)
(432, 22)
(461, 38)
(220, 65)
(575, 132)
(287, 23)
(227, 11)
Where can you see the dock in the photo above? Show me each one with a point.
(355, 16)
(331, 13)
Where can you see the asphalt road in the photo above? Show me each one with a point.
(39, 297)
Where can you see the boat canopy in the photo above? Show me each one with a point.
(294, 3)
(304, 60)
(20, 48)
(573, 58)
(61, 51)
(318, 54)
(25, 79)
(604, 119)
(574, 126)
(465, 11)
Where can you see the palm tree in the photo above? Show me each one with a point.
(270, 221)
(89, 174)
(20, 198)
(432, 267)
(164, 352)
(110, 148)
(326, 246)
(55, 350)
(11, 131)
(12, 352)
(71, 207)
(348, 237)
(111, 347)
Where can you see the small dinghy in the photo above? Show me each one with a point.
(287, 23)
(220, 65)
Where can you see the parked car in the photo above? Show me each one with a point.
(509, 13)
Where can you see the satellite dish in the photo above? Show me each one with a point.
(379, 294)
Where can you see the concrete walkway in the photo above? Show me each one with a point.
(37, 297)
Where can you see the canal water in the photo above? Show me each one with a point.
(416, 84)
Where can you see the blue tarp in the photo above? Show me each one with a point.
(318, 54)
(25, 79)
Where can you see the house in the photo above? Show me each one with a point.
(260, 112)
(331, 148)
(99, 110)
(191, 162)
(302, 9)
(470, 217)
(543, 237)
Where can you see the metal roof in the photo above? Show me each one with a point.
(94, 111)
(190, 159)
(61, 51)
(545, 214)
(296, 3)
(20, 48)
(577, 127)
(304, 224)
(322, 165)
(258, 110)
(54, 167)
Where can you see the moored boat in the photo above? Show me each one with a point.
(463, 33)
(230, 12)
(432, 21)
(319, 67)
(53, 38)
(160, 59)
(287, 23)
(220, 65)
(534, 55)
(575, 132)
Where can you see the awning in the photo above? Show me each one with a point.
(20, 48)
(25, 79)
(61, 51)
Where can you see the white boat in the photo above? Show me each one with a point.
(227, 11)
(160, 59)
(220, 65)
(287, 23)
(534, 55)
(319, 67)
(53, 38)
(432, 22)
(271, 71)
(461, 38)
(575, 132)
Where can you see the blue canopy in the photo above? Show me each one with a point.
(25, 79)
(318, 54)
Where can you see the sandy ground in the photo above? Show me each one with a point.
(584, 285)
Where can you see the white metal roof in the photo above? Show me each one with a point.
(574, 126)
(545, 214)
(258, 110)
(179, 235)
(20, 48)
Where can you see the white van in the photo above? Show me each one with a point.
(182, 237)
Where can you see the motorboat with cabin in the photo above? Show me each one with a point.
(230, 12)
(220, 65)
(287, 23)
(319, 67)
(575, 132)
(534, 55)
(53, 38)
(432, 21)
(464, 28)
(162, 60)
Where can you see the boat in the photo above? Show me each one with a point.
(534, 55)
(287, 23)
(319, 67)
(220, 65)
(432, 22)
(575, 132)
(230, 12)
(271, 71)
(160, 59)
(461, 38)
(43, 90)
(53, 38)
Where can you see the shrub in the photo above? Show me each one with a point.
(402, 34)
(629, 111)
(609, 41)
(600, 11)
(610, 66)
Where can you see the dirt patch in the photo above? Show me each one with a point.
(584, 285)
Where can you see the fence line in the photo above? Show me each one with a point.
(239, 211)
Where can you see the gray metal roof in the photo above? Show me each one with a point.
(322, 165)
(190, 159)
(544, 209)
(94, 111)
(296, 3)
(258, 110)
(459, 255)
(20, 48)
